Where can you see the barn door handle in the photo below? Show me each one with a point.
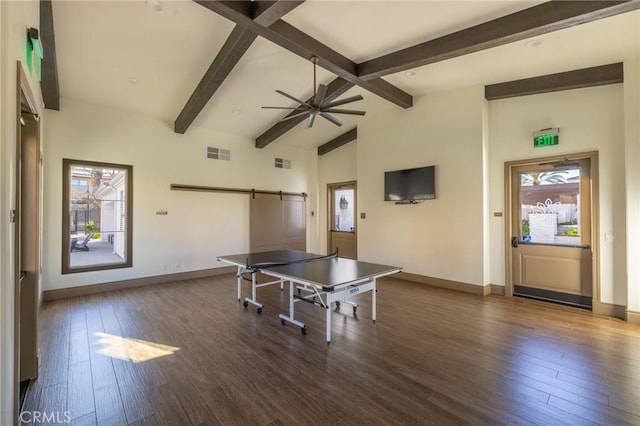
(514, 242)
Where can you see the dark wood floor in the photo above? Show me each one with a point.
(433, 357)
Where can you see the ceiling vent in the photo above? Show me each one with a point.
(218, 154)
(281, 163)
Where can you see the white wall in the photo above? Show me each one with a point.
(589, 120)
(441, 238)
(15, 17)
(199, 226)
(632, 178)
(339, 165)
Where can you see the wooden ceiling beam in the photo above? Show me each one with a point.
(336, 143)
(531, 22)
(266, 12)
(234, 48)
(232, 51)
(290, 38)
(49, 82)
(336, 88)
(576, 79)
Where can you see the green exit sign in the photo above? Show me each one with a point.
(546, 137)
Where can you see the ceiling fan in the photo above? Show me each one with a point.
(317, 105)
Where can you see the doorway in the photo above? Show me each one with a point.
(28, 238)
(550, 224)
(342, 219)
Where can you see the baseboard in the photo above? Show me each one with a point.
(447, 284)
(497, 290)
(64, 293)
(633, 317)
(609, 309)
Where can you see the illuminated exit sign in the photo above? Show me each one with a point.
(546, 137)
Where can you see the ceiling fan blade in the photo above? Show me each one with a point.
(322, 91)
(312, 118)
(343, 101)
(344, 111)
(331, 118)
(293, 108)
(292, 98)
(289, 117)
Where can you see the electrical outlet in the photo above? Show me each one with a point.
(164, 267)
(177, 266)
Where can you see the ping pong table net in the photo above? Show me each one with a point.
(265, 265)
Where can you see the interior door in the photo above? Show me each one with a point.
(28, 238)
(551, 231)
(342, 219)
(277, 222)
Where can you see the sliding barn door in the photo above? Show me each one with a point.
(277, 222)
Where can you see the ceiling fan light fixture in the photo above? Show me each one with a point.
(318, 104)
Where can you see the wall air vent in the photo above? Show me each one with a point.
(218, 154)
(281, 163)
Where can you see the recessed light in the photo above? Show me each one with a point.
(154, 5)
(533, 43)
(133, 81)
(409, 73)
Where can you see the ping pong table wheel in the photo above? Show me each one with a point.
(355, 309)
(337, 304)
(245, 304)
(283, 322)
(304, 331)
(259, 310)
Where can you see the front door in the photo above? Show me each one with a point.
(342, 219)
(551, 231)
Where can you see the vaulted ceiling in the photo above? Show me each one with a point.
(214, 64)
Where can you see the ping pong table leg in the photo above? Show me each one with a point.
(284, 319)
(253, 286)
(373, 300)
(291, 300)
(328, 309)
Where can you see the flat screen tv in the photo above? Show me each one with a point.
(410, 185)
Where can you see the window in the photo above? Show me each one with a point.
(550, 204)
(97, 216)
(79, 185)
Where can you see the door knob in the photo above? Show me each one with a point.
(514, 242)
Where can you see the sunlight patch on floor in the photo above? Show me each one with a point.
(129, 349)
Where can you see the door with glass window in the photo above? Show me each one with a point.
(342, 219)
(551, 231)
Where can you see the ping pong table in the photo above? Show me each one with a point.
(320, 280)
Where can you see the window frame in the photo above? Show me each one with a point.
(67, 164)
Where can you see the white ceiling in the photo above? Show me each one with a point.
(101, 45)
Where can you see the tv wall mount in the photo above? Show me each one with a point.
(410, 202)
